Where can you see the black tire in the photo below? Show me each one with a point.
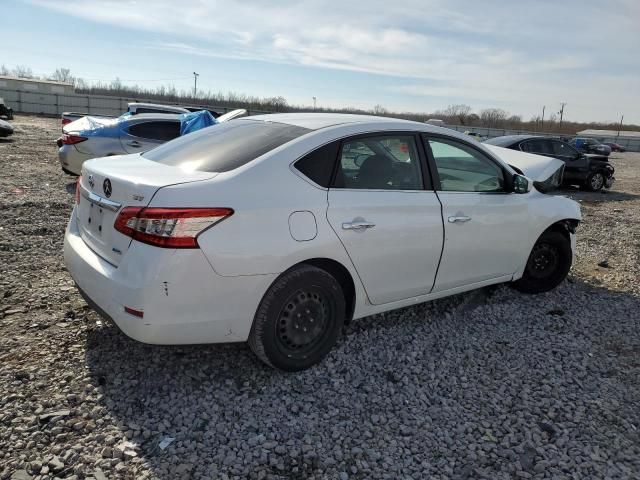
(299, 319)
(595, 182)
(548, 264)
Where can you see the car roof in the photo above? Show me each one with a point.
(315, 121)
(153, 116)
(156, 105)
(510, 139)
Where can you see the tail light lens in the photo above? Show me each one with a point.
(78, 189)
(65, 121)
(70, 139)
(168, 227)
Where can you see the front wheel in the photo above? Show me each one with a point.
(548, 264)
(299, 319)
(595, 182)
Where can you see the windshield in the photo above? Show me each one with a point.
(225, 146)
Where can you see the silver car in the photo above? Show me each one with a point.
(93, 137)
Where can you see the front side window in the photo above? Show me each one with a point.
(386, 162)
(561, 149)
(462, 168)
(162, 131)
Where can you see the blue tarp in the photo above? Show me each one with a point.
(117, 127)
(190, 122)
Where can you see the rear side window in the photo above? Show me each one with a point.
(163, 131)
(538, 145)
(318, 165)
(225, 146)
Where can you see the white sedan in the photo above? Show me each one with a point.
(278, 229)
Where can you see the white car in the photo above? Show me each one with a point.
(278, 229)
(92, 137)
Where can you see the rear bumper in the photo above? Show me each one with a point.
(71, 159)
(184, 301)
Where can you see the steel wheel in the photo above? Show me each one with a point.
(548, 264)
(299, 319)
(543, 260)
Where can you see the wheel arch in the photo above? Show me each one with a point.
(565, 226)
(342, 275)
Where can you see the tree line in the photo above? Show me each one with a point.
(455, 114)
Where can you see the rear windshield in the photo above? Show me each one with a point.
(225, 146)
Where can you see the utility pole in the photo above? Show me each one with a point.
(195, 84)
(314, 103)
(542, 126)
(619, 127)
(561, 112)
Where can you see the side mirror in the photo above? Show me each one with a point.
(521, 184)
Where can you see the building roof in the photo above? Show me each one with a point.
(35, 80)
(609, 133)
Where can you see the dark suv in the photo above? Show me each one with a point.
(590, 171)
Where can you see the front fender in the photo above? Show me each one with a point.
(544, 212)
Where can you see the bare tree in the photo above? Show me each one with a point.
(22, 71)
(4, 70)
(493, 117)
(116, 84)
(379, 110)
(63, 75)
(457, 113)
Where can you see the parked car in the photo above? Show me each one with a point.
(475, 135)
(5, 111)
(590, 145)
(615, 147)
(133, 108)
(91, 137)
(589, 171)
(278, 229)
(6, 129)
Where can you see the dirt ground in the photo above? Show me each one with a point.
(58, 393)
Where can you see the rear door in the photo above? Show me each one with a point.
(384, 210)
(485, 227)
(140, 136)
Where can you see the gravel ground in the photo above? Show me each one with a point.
(492, 384)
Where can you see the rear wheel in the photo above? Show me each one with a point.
(595, 182)
(548, 264)
(299, 319)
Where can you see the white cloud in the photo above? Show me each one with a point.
(513, 54)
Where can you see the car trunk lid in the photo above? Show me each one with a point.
(109, 185)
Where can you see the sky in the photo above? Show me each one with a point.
(406, 55)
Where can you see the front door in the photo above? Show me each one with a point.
(576, 164)
(389, 223)
(485, 227)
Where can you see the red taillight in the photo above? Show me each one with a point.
(78, 189)
(70, 139)
(65, 121)
(168, 227)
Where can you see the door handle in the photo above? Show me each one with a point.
(459, 219)
(357, 225)
(134, 143)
